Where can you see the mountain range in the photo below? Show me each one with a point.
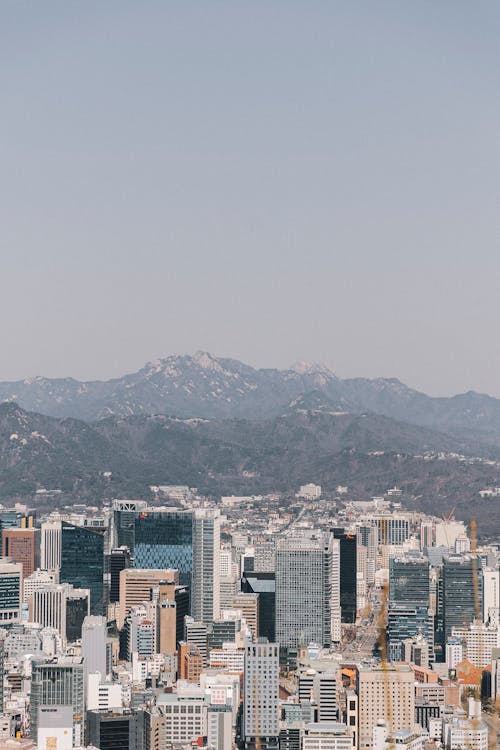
(227, 428)
(219, 388)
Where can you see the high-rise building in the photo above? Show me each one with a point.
(190, 662)
(261, 696)
(306, 585)
(265, 556)
(392, 529)
(11, 575)
(123, 525)
(384, 693)
(479, 641)
(2, 658)
(116, 561)
(136, 585)
(348, 574)
(57, 685)
(164, 539)
(50, 545)
(219, 727)
(320, 690)
(248, 604)
(409, 581)
(197, 634)
(205, 589)
(81, 544)
(109, 730)
(408, 621)
(38, 580)
(491, 593)
(462, 591)
(263, 584)
(94, 645)
(427, 535)
(166, 627)
(22, 546)
(62, 607)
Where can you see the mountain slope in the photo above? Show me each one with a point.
(367, 452)
(219, 388)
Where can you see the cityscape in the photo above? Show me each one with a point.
(249, 375)
(257, 622)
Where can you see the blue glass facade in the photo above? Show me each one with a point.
(164, 539)
(82, 562)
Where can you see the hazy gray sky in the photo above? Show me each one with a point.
(265, 180)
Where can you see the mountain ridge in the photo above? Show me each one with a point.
(202, 385)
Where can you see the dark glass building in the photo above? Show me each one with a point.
(348, 574)
(462, 591)
(117, 560)
(76, 612)
(409, 581)
(82, 562)
(164, 539)
(108, 731)
(408, 621)
(264, 585)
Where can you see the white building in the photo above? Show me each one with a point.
(261, 694)
(219, 727)
(465, 733)
(447, 532)
(50, 545)
(205, 595)
(454, 652)
(38, 580)
(230, 657)
(309, 491)
(479, 641)
(491, 592)
(50, 605)
(326, 735)
(102, 696)
(185, 714)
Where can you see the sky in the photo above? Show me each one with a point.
(268, 181)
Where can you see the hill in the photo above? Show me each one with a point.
(365, 451)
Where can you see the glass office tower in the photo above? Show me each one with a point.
(164, 539)
(409, 580)
(82, 562)
(462, 591)
(348, 574)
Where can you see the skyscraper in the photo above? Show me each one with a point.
(348, 574)
(11, 575)
(205, 588)
(62, 607)
(462, 591)
(94, 645)
(50, 545)
(385, 692)
(261, 691)
(409, 581)
(55, 685)
(136, 586)
(264, 585)
(22, 546)
(164, 539)
(82, 562)
(116, 561)
(306, 587)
